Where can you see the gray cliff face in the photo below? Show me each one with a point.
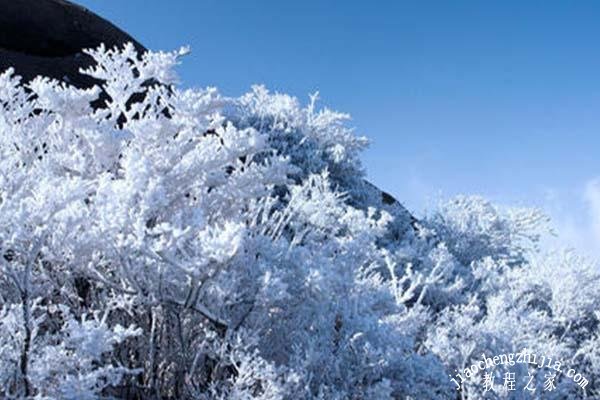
(45, 37)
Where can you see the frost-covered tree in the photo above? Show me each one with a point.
(178, 244)
(163, 247)
(516, 298)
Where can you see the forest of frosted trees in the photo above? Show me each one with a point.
(195, 246)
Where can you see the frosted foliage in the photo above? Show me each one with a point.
(179, 244)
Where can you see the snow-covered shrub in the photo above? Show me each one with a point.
(238, 263)
(184, 245)
(545, 303)
(473, 228)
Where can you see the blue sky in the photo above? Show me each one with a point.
(500, 99)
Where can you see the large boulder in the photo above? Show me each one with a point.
(46, 37)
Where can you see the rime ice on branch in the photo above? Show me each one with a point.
(194, 246)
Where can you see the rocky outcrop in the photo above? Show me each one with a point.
(46, 37)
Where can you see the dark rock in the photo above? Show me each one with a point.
(46, 37)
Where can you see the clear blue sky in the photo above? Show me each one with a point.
(494, 98)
